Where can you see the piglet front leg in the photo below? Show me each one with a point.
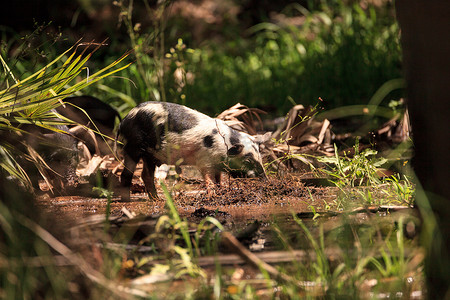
(212, 177)
(148, 176)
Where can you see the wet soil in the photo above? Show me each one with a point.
(241, 202)
(239, 199)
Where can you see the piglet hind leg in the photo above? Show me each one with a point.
(127, 176)
(148, 176)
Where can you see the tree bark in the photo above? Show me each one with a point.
(425, 34)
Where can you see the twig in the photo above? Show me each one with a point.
(234, 245)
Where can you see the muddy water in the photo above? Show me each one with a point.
(77, 207)
(240, 199)
(236, 202)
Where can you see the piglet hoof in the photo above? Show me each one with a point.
(153, 197)
(211, 190)
(152, 194)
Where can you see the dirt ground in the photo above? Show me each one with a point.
(236, 199)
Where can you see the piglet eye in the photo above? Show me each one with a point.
(249, 156)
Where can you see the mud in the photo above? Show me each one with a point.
(237, 199)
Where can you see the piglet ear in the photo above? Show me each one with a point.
(262, 138)
(235, 150)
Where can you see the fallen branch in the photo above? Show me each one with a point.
(234, 245)
(369, 209)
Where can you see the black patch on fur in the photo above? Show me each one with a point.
(250, 156)
(235, 150)
(214, 131)
(140, 133)
(180, 118)
(234, 137)
(208, 141)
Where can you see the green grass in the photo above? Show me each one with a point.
(341, 53)
(356, 176)
(358, 170)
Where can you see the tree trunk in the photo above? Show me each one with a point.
(425, 33)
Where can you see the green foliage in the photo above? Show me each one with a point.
(359, 182)
(393, 261)
(176, 220)
(402, 189)
(360, 169)
(30, 100)
(341, 54)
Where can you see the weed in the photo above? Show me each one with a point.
(359, 184)
(172, 236)
(361, 169)
(208, 237)
(402, 189)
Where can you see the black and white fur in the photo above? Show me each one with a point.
(168, 133)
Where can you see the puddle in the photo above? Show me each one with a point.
(242, 199)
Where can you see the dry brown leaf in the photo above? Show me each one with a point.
(91, 167)
(242, 118)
